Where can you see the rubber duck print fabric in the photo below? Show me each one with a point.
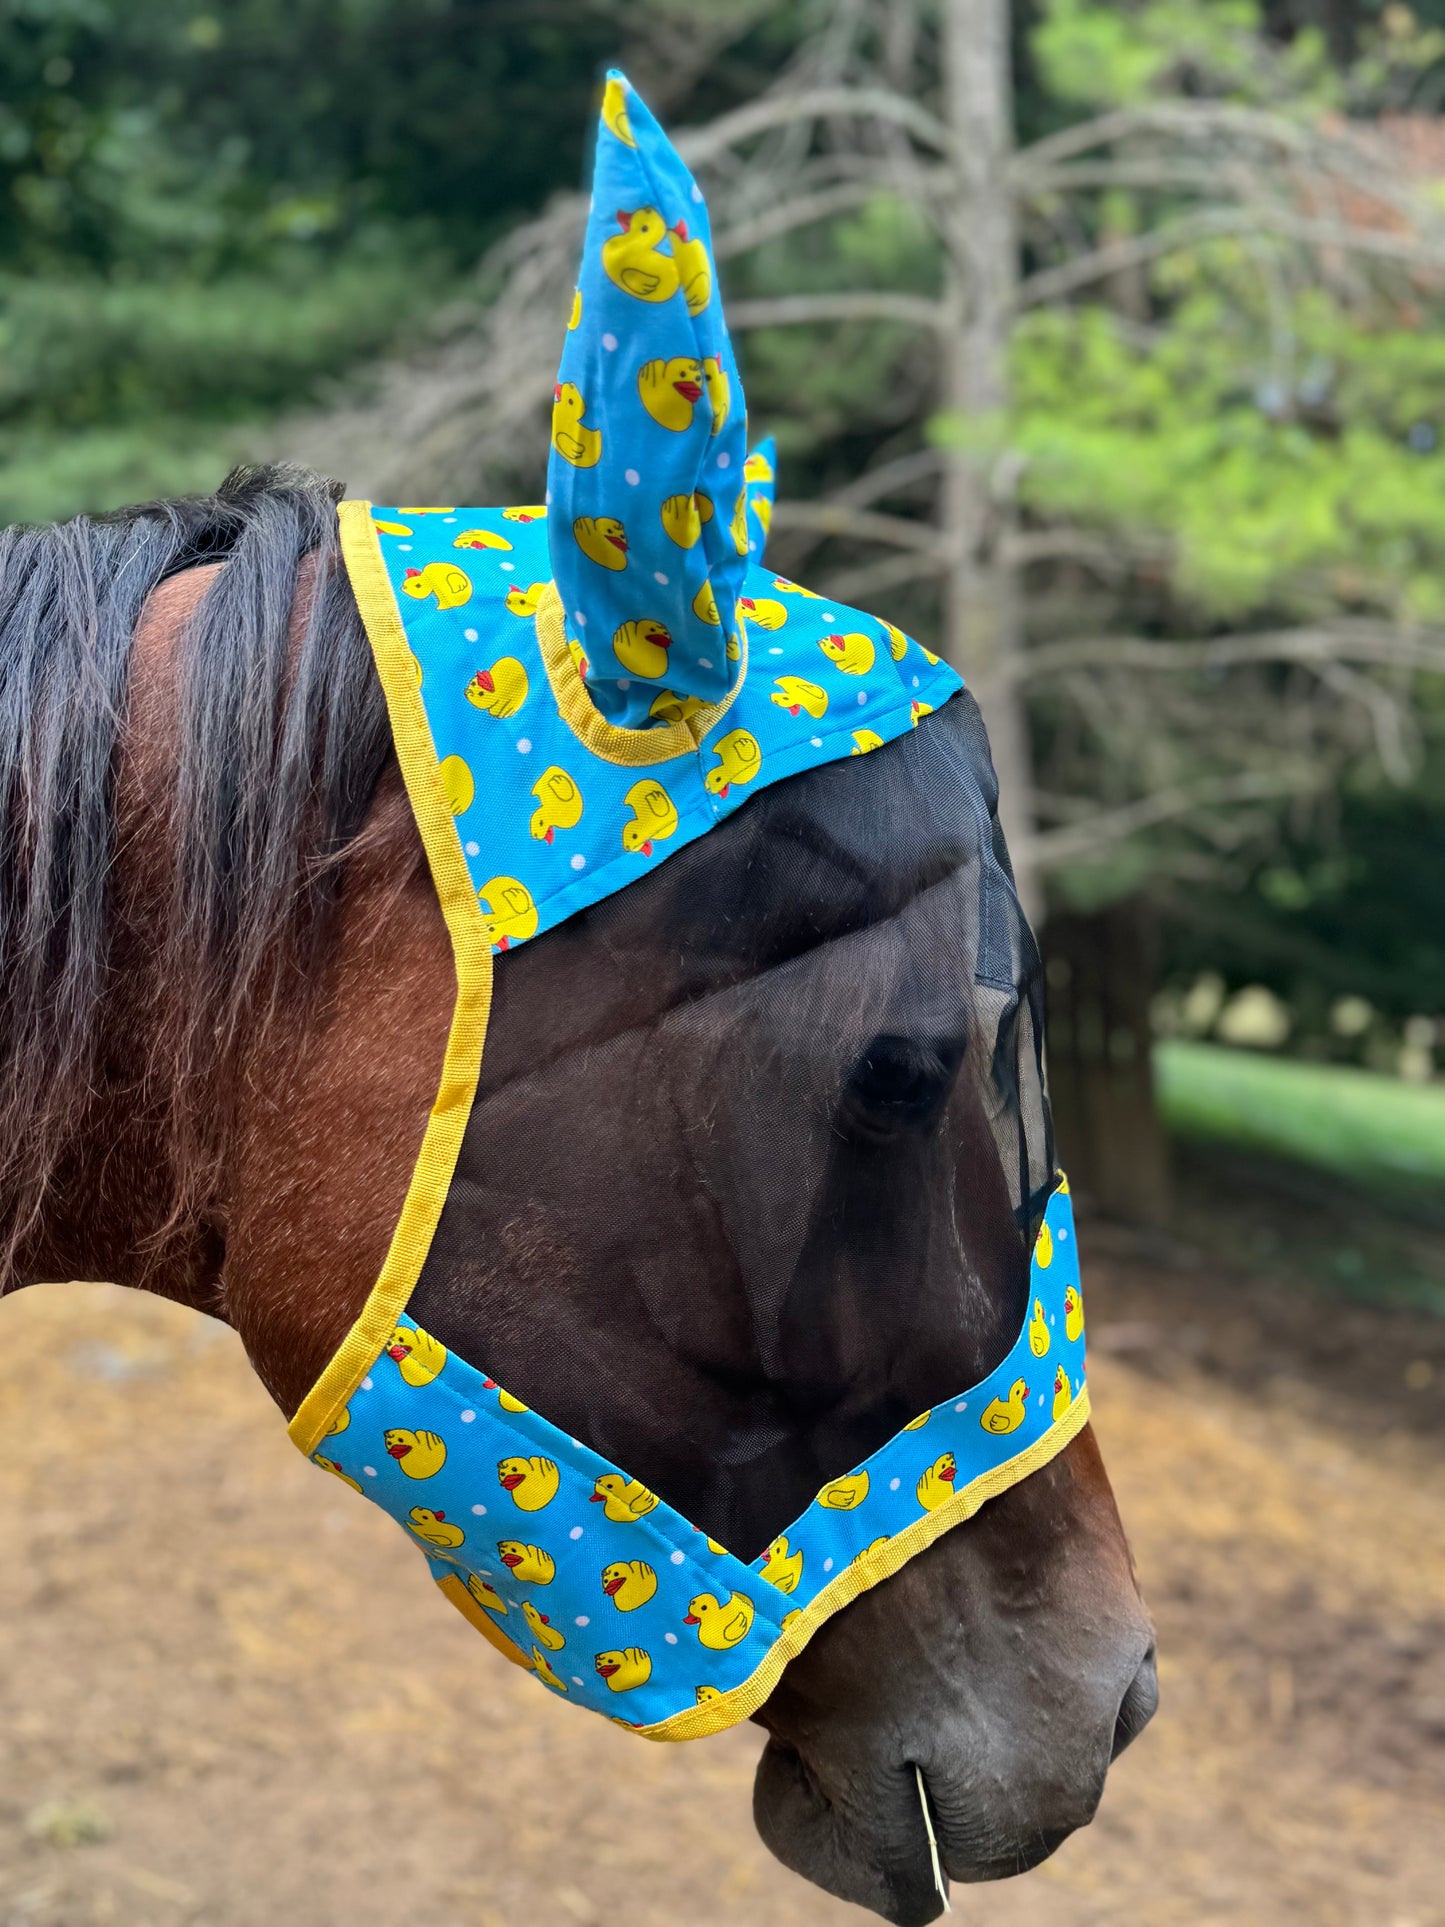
(611, 1597)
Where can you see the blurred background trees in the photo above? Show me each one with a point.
(1103, 341)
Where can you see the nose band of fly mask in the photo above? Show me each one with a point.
(576, 691)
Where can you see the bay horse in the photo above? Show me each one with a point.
(698, 1224)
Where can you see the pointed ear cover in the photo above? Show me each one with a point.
(649, 519)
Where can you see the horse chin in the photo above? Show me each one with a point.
(1005, 1667)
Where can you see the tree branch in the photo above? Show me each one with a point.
(1103, 828)
(700, 145)
(1343, 643)
(838, 518)
(784, 311)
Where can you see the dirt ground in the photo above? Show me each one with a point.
(228, 1693)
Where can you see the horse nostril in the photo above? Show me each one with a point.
(1138, 1706)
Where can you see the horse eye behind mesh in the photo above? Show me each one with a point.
(899, 1084)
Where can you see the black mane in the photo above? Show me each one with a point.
(278, 753)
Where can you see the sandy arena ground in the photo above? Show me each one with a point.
(229, 1695)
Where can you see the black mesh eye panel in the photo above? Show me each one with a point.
(758, 1142)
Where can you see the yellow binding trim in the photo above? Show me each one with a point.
(867, 1570)
(455, 1589)
(472, 952)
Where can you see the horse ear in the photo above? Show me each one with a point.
(648, 515)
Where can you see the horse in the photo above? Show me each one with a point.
(751, 1171)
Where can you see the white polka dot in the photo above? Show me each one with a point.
(449, 518)
(893, 1484)
(724, 460)
(703, 662)
(862, 697)
(479, 1512)
(579, 862)
(406, 546)
(582, 1620)
(670, 1638)
(366, 1384)
(752, 548)
(816, 741)
(577, 1681)
(575, 1533)
(631, 477)
(609, 342)
(1040, 1399)
(370, 1471)
(962, 1405)
(915, 682)
(678, 1557)
(658, 576)
(696, 192)
(474, 849)
(579, 616)
(547, 498)
(506, 565)
(775, 652)
(524, 745)
(827, 1565)
(1063, 1234)
(624, 682)
(829, 616)
(467, 1416)
(470, 634)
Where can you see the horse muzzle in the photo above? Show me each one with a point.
(1003, 1676)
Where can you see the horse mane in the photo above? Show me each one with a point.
(278, 746)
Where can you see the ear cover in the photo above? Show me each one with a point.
(648, 517)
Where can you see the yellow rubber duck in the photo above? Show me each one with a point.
(602, 539)
(683, 517)
(719, 391)
(574, 319)
(917, 711)
(1038, 1330)
(579, 657)
(842, 1495)
(480, 539)
(528, 1565)
(524, 602)
(854, 654)
(421, 1455)
(1006, 1414)
(781, 583)
(340, 1423)
(694, 272)
(505, 1399)
(654, 816)
(559, 804)
(622, 1500)
(631, 260)
(1044, 1248)
(614, 113)
(704, 605)
(426, 511)
(739, 760)
(529, 512)
(624, 1669)
(458, 782)
(1063, 1394)
(865, 740)
(486, 1595)
(670, 390)
(935, 1488)
(419, 1357)
(762, 507)
(781, 1567)
(897, 642)
(511, 915)
(501, 690)
(580, 446)
(542, 1667)
(738, 526)
(641, 647)
(917, 1424)
(757, 468)
(391, 528)
(331, 1466)
(763, 612)
(532, 1483)
(702, 1694)
(434, 1528)
(450, 585)
(720, 1622)
(734, 650)
(669, 707)
(543, 1631)
(629, 1584)
(1073, 1313)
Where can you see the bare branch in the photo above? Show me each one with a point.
(700, 145)
(784, 311)
(789, 215)
(838, 518)
(1103, 829)
(1344, 642)
(1190, 119)
(851, 585)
